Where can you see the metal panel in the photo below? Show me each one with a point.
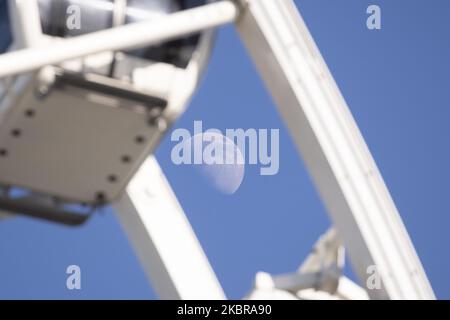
(75, 144)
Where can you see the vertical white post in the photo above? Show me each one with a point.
(333, 148)
(163, 239)
(26, 23)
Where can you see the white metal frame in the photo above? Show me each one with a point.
(26, 26)
(332, 147)
(124, 37)
(163, 238)
(319, 121)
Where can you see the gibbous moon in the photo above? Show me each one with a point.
(224, 177)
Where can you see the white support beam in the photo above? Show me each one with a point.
(302, 286)
(332, 147)
(348, 290)
(139, 34)
(26, 23)
(163, 239)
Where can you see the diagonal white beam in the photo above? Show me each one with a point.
(130, 36)
(163, 239)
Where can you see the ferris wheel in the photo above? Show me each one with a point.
(90, 105)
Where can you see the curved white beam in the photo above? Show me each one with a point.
(333, 148)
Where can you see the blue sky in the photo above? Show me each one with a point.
(396, 81)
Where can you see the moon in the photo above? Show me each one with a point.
(226, 178)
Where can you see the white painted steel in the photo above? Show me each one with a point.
(333, 148)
